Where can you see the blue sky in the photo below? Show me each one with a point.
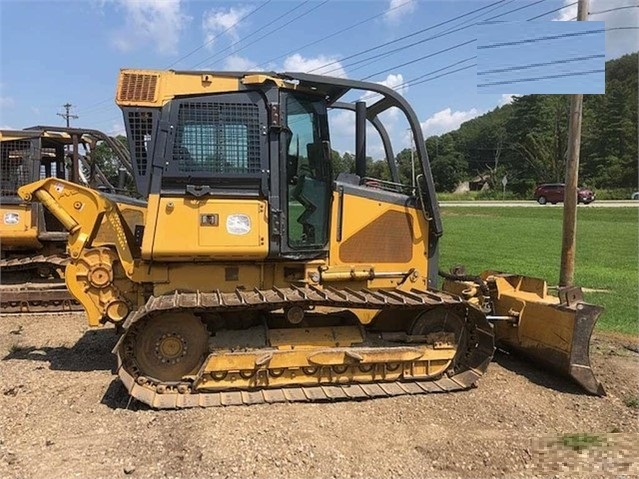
(54, 52)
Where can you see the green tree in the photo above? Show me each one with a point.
(109, 164)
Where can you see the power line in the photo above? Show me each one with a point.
(539, 39)
(441, 69)
(421, 58)
(404, 47)
(272, 31)
(534, 65)
(90, 107)
(276, 19)
(338, 32)
(552, 11)
(528, 5)
(220, 34)
(547, 77)
(381, 45)
(379, 56)
(612, 10)
(442, 75)
(422, 79)
(416, 80)
(375, 58)
(437, 36)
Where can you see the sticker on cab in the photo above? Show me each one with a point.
(11, 218)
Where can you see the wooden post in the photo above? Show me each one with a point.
(567, 271)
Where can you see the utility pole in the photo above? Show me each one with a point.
(569, 236)
(412, 158)
(75, 163)
(67, 107)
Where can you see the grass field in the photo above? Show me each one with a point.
(528, 241)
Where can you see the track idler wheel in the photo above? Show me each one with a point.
(169, 346)
(473, 341)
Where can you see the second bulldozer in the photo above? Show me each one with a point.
(259, 277)
(33, 242)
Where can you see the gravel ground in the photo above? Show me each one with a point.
(63, 414)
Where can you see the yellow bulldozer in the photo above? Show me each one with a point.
(33, 242)
(259, 277)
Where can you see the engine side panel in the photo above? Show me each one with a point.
(185, 228)
(376, 232)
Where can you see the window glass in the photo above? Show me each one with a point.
(308, 173)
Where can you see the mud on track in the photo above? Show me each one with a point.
(63, 414)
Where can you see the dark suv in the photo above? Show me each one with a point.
(554, 193)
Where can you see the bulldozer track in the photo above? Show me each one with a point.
(471, 361)
(33, 262)
(34, 296)
(48, 297)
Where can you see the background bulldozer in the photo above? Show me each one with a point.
(259, 277)
(33, 241)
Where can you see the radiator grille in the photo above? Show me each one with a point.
(218, 138)
(140, 128)
(138, 87)
(388, 239)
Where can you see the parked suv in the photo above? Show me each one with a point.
(554, 193)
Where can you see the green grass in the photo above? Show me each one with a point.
(579, 442)
(528, 241)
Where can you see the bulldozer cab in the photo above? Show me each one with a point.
(264, 137)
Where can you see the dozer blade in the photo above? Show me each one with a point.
(552, 331)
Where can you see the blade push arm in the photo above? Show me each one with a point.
(82, 211)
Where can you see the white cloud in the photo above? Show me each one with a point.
(618, 42)
(237, 63)
(395, 82)
(567, 13)
(117, 128)
(320, 65)
(398, 9)
(217, 21)
(151, 22)
(506, 98)
(447, 120)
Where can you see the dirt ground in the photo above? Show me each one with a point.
(63, 414)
